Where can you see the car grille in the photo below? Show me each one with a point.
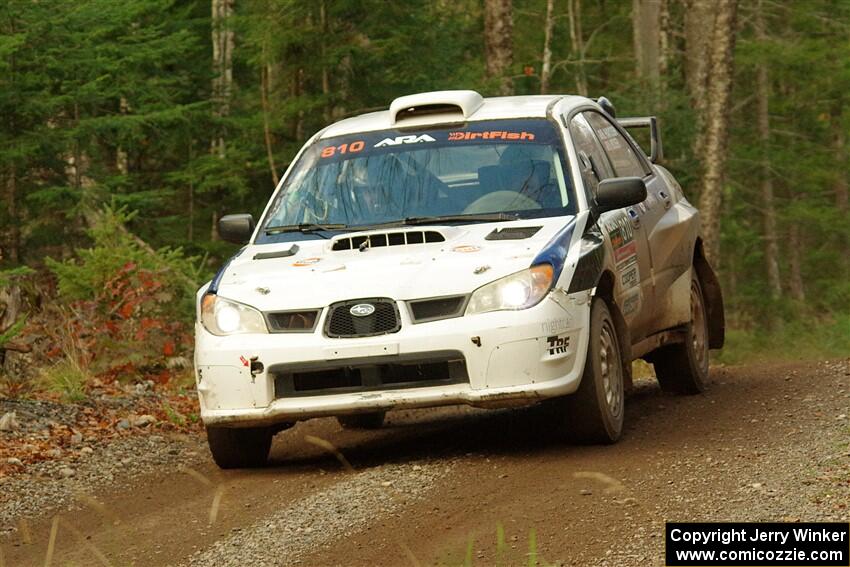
(424, 310)
(420, 370)
(292, 321)
(341, 323)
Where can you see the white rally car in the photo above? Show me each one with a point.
(457, 250)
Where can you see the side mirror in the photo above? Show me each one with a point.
(619, 192)
(236, 228)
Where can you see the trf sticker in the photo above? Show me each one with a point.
(558, 345)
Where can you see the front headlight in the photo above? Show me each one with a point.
(224, 317)
(517, 291)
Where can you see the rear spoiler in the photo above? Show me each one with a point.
(651, 122)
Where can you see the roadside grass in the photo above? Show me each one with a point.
(173, 415)
(506, 555)
(66, 378)
(796, 340)
(70, 375)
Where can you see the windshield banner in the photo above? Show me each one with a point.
(496, 131)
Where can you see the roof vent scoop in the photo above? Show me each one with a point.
(437, 106)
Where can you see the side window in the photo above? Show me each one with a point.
(620, 152)
(592, 160)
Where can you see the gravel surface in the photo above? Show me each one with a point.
(55, 484)
(802, 473)
(336, 512)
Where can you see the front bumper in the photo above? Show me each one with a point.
(510, 357)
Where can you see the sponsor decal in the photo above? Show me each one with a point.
(491, 135)
(306, 262)
(362, 310)
(630, 304)
(244, 361)
(466, 248)
(622, 235)
(398, 140)
(625, 251)
(555, 325)
(480, 270)
(621, 232)
(558, 345)
(629, 277)
(352, 148)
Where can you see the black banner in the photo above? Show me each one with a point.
(816, 544)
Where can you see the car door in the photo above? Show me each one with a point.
(626, 161)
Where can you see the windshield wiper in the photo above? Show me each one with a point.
(304, 227)
(413, 221)
(481, 217)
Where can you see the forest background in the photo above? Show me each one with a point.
(128, 128)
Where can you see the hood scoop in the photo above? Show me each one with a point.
(381, 239)
(513, 233)
(291, 251)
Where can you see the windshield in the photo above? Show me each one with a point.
(505, 166)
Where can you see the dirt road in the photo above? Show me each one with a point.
(459, 486)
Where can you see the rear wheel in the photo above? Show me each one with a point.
(372, 420)
(594, 413)
(238, 448)
(682, 368)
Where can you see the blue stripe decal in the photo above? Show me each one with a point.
(555, 251)
(220, 275)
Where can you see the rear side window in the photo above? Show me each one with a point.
(623, 158)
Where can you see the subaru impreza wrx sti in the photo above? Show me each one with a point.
(456, 249)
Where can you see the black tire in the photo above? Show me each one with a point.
(372, 420)
(239, 448)
(682, 368)
(594, 413)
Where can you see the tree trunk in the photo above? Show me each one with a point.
(190, 228)
(664, 39)
(498, 43)
(771, 243)
(12, 247)
(222, 83)
(646, 26)
(839, 144)
(214, 229)
(700, 23)
(326, 83)
(716, 122)
(11, 306)
(299, 122)
(795, 268)
(122, 162)
(546, 69)
(577, 44)
(264, 100)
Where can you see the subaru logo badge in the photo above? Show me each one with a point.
(362, 310)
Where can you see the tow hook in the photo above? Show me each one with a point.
(256, 366)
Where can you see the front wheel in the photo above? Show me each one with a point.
(239, 448)
(682, 368)
(594, 413)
